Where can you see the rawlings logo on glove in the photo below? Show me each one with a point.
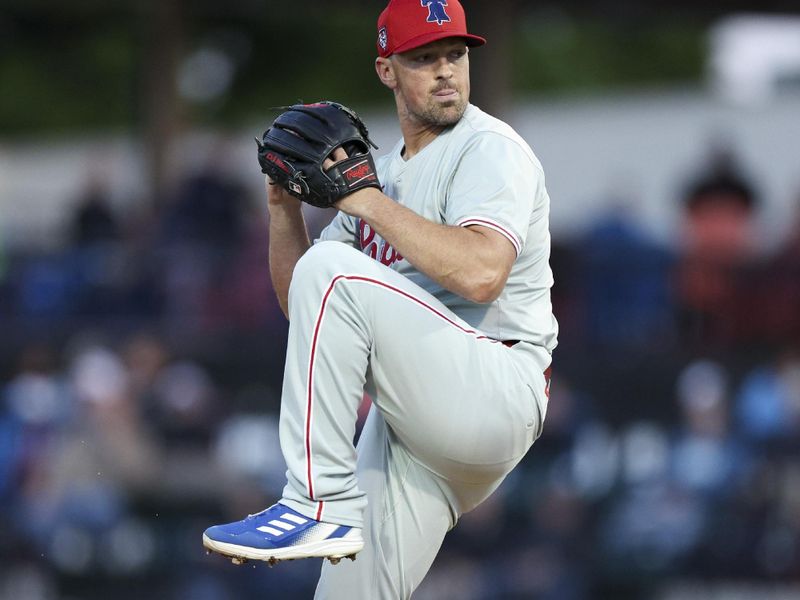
(292, 152)
(359, 171)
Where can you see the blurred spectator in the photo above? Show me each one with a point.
(85, 475)
(36, 405)
(708, 459)
(202, 231)
(551, 559)
(185, 399)
(145, 354)
(625, 285)
(717, 256)
(137, 434)
(778, 290)
(652, 524)
(94, 221)
(179, 405)
(91, 275)
(650, 529)
(244, 296)
(209, 205)
(769, 400)
(44, 286)
(673, 488)
(719, 210)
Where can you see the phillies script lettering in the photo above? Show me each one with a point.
(376, 247)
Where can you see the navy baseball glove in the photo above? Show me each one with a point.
(293, 149)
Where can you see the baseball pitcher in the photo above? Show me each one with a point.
(430, 289)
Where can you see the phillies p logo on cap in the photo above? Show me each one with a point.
(436, 12)
(407, 24)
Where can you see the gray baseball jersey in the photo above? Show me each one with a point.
(454, 409)
(480, 172)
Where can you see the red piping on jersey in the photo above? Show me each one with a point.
(315, 338)
(497, 227)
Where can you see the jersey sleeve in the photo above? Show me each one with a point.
(495, 185)
(342, 228)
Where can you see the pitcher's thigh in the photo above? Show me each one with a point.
(457, 402)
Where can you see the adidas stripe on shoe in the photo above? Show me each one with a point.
(280, 533)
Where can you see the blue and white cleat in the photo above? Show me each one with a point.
(280, 533)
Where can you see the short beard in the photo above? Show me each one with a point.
(442, 116)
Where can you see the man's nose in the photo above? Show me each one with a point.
(444, 70)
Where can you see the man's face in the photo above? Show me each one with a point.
(432, 81)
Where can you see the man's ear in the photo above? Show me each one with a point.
(385, 70)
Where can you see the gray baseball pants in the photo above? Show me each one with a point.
(453, 412)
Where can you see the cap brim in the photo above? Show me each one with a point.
(426, 38)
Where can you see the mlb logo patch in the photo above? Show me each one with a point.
(294, 187)
(383, 40)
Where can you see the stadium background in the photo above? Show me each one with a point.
(141, 348)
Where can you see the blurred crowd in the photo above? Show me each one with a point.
(139, 392)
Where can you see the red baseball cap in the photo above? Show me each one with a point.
(407, 24)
